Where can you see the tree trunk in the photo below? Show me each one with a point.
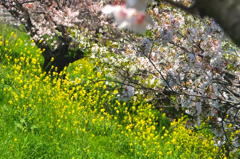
(225, 12)
(55, 61)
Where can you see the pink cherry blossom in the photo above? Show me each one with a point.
(129, 18)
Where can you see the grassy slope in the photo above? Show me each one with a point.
(43, 117)
(20, 135)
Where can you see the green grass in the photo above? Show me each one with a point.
(79, 116)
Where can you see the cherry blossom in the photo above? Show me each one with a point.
(130, 18)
